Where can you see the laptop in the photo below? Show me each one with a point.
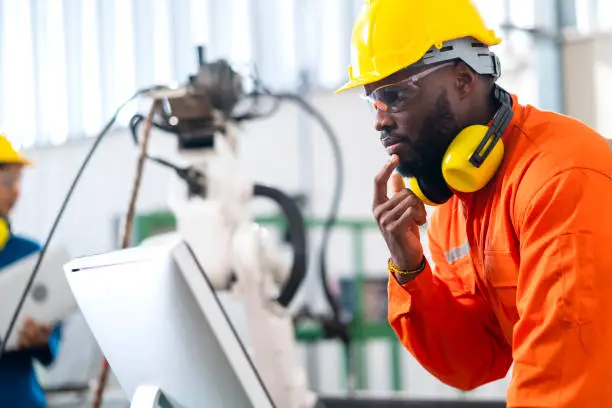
(49, 299)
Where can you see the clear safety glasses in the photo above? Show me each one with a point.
(8, 179)
(394, 97)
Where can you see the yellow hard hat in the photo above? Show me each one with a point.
(390, 35)
(8, 154)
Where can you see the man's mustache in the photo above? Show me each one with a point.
(389, 135)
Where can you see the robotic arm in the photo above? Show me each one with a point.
(238, 255)
(210, 198)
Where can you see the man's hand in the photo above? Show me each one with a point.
(399, 217)
(33, 334)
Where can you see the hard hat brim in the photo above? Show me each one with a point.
(351, 85)
(370, 78)
(20, 160)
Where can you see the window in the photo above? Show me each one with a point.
(66, 65)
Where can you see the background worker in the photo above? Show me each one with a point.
(520, 268)
(19, 385)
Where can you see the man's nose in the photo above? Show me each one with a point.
(384, 121)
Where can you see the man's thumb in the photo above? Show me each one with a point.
(397, 183)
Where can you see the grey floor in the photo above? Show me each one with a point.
(85, 402)
(109, 404)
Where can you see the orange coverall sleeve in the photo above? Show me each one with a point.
(562, 343)
(447, 326)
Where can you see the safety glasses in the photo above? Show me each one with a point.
(8, 179)
(10, 176)
(394, 97)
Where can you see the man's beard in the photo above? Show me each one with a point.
(428, 150)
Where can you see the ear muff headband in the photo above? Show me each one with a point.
(501, 120)
(473, 157)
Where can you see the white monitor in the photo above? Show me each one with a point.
(160, 325)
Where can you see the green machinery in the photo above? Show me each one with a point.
(366, 325)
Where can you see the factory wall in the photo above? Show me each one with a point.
(588, 67)
(287, 151)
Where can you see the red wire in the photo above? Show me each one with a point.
(104, 369)
(102, 378)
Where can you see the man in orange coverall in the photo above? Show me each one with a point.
(521, 239)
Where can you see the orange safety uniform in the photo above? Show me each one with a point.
(521, 272)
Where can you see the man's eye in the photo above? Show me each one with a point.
(404, 96)
(399, 97)
(394, 97)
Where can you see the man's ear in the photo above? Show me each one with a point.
(465, 80)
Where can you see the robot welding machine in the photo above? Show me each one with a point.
(209, 198)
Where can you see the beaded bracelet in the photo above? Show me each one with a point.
(406, 274)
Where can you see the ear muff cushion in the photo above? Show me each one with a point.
(413, 185)
(460, 174)
(5, 232)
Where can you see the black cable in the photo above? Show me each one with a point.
(135, 122)
(260, 90)
(58, 217)
(297, 237)
(333, 211)
(251, 114)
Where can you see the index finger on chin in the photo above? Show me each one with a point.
(381, 179)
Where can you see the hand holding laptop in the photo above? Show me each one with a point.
(33, 334)
(49, 301)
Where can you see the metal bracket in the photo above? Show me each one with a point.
(149, 396)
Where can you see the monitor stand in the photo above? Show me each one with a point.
(149, 396)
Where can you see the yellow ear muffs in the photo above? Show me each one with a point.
(5, 232)
(459, 171)
(473, 157)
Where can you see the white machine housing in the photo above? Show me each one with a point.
(219, 229)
